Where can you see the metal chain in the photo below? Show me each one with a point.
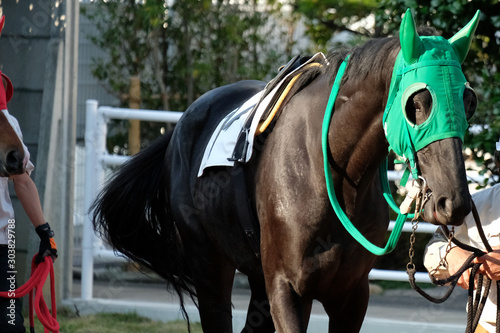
(443, 262)
(420, 201)
(411, 251)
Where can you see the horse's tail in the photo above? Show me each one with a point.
(132, 214)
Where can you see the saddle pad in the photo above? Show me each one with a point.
(220, 148)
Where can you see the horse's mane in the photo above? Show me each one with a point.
(370, 58)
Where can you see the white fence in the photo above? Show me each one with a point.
(97, 159)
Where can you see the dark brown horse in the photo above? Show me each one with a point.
(186, 228)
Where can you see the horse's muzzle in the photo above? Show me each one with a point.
(447, 210)
(12, 163)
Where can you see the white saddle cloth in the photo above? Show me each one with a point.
(221, 146)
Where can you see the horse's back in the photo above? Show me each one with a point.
(207, 111)
(194, 129)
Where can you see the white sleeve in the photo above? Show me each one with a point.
(28, 165)
(435, 251)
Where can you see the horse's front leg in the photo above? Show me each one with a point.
(290, 311)
(346, 314)
(286, 286)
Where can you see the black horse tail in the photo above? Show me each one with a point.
(132, 214)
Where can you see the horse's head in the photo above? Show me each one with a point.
(11, 147)
(426, 116)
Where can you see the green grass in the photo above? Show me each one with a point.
(113, 323)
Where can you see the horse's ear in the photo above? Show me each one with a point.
(2, 22)
(411, 45)
(462, 39)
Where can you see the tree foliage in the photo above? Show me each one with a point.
(325, 18)
(181, 49)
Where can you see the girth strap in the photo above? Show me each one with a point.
(246, 215)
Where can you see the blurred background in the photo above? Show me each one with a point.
(163, 54)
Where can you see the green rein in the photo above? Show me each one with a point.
(396, 232)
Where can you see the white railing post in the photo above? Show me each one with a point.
(94, 136)
(95, 162)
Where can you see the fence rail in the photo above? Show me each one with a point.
(97, 159)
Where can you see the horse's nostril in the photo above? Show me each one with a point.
(14, 160)
(444, 206)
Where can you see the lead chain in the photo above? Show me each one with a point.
(443, 262)
(420, 201)
(414, 226)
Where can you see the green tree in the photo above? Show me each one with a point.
(180, 49)
(325, 18)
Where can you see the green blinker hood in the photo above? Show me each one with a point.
(432, 63)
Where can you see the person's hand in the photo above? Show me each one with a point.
(490, 264)
(48, 246)
(456, 258)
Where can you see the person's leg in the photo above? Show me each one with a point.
(11, 318)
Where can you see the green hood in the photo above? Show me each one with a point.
(431, 63)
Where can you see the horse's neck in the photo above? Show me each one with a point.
(356, 135)
(360, 107)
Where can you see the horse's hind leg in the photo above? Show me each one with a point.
(258, 316)
(214, 283)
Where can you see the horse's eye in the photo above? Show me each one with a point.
(418, 107)
(470, 102)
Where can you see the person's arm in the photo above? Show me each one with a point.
(28, 196)
(30, 200)
(433, 258)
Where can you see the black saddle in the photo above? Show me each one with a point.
(240, 149)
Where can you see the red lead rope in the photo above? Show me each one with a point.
(39, 274)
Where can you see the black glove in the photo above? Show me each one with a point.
(48, 245)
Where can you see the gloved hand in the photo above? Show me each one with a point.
(48, 246)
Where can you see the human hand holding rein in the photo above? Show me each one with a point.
(48, 245)
(455, 259)
(490, 264)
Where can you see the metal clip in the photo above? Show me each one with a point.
(405, 206)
